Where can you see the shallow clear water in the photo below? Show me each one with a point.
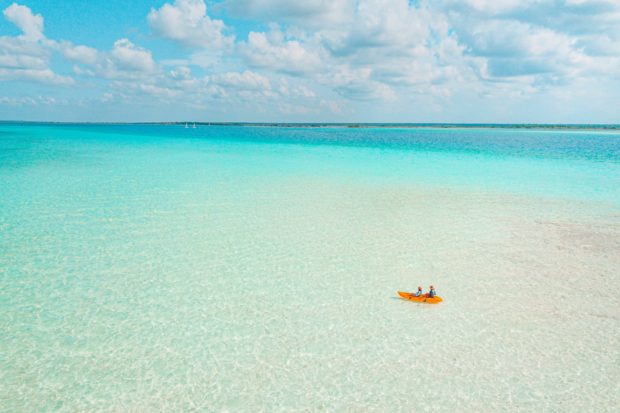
(250, 268)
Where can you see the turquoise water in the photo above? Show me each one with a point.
(148, 267)
(563, 163)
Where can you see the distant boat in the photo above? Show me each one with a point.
(186, 126)
(194, 126)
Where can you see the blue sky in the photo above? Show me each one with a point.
(504, 61)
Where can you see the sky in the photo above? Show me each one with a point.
(465, 61)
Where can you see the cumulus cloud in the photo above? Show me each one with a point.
(537, 40)
(127, 56)
(187, 22)
(30, 24)
(36, 75)
(381, 48)
(302, 91)
(394, 24)
(124, 61)
(274, 52)
(27, 57)
(182, 85)
(81, 54)
(297, 54)
(242, 82)
(358, 84)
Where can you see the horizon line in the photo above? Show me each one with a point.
(327, 124)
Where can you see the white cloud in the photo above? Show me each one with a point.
(317, 55)
(302, 92)
(27, 57)
(382, 46)
(357, 84)
(23, 61)
(181, 73)
(273, 52)
(127, 56)
(28, 100)
(187, 22)
(158, 91)
(30, 24)
(392, 24)
(124, 61)
(36, 75)
(81, 54)
(182, 78)
(539, 43)
(247, 81)
(379, 47)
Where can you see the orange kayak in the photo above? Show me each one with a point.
(421, 299)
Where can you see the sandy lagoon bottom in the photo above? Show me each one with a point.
(281, 296)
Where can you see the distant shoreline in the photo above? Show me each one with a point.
(352, 125)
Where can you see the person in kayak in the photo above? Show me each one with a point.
(431, 292)
(419, 292)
